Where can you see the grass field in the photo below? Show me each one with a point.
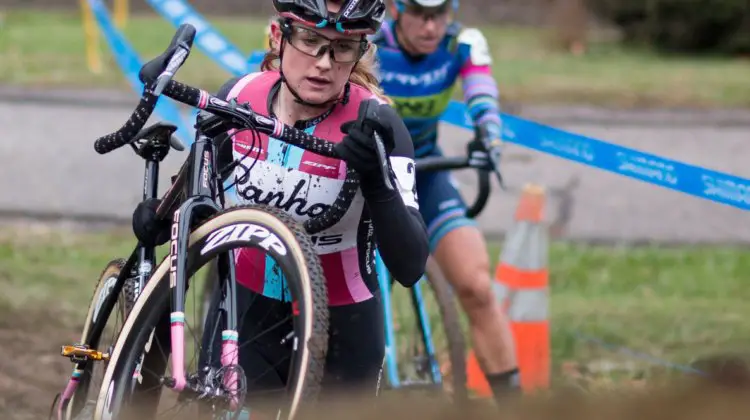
(41, 48)
(676, 304)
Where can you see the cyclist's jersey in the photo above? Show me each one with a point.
(305, 184)
(422, 88)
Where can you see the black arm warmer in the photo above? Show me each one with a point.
(401, 237)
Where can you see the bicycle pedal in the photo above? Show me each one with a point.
(80, 353)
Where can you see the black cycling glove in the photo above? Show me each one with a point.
(358, 146)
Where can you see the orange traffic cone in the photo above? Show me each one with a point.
(475, 380)
(521, 286)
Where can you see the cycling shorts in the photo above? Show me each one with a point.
(440, 203)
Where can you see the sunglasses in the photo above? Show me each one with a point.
(316, 45)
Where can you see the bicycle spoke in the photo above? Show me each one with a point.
(265, 331)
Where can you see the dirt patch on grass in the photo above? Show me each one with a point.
(31, 368)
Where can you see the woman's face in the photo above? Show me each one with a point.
(423, 28)
(307, 63)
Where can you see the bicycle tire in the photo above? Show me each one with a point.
(451, 325)
(102, 289)
(151, 311)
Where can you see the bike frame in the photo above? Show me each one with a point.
(385, 281)
(423, 323)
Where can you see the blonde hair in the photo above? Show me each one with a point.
(363, 73)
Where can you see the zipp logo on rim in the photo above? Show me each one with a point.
(243, 232)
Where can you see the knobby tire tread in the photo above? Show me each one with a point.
(453, 333)
(318, 343)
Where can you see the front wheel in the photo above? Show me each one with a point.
(134, 382)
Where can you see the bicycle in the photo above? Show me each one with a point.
(202, 230)
(424, 370)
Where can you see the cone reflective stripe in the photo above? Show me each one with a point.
(521, 287)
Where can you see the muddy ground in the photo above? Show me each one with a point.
(31, 368)
(32, 372)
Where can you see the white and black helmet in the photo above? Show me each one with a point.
(401, 4)
(354, 17)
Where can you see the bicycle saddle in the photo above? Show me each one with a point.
(161, 133)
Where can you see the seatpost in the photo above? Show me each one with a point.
(153, 152)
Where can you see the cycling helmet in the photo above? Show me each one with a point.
(354, 17)
(401, 4)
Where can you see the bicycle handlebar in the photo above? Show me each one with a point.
(440, 163)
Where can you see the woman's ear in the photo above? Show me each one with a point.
(394, 8)
(274, 39)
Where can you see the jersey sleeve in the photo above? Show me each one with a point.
(404, 169)
(480, 90)
(400, 231)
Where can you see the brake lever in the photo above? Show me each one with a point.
(368, 112)
(177, 59)
(494, 155)
(383, 159)
(181, 43)
(492, 149)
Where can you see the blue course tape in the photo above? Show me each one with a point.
(207, 38)
(667, 173)
(130, 65)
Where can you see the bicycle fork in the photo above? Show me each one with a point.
(179, 235)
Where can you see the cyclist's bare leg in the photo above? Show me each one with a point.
(462, 256)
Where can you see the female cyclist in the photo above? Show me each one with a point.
(421, 55)
(315, 76)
